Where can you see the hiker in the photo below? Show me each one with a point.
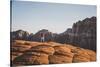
(42, 37)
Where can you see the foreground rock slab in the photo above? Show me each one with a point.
(37, 53)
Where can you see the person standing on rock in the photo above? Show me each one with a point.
(42, 37)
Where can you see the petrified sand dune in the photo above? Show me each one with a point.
(36, 53)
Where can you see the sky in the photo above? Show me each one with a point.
(56, 17)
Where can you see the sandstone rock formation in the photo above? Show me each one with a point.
(62, 55)
(37, 53)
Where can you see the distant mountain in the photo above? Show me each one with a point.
(48, 35)
(20, 34)
(85, 33)
(82, 34)
(24, 35)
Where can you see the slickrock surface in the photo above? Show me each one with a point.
(37, 53)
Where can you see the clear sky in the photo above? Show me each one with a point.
(34, 16)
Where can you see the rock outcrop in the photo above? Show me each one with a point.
(19, 35)
(62, 55)
(82, 34)
(37, 53)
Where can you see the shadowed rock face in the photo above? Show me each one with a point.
(85, 33)
(37, 53)
(82, 34)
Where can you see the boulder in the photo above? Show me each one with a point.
(59, 59)
(20, 48)
(62, 55)
(92, 54)
(84, 55)
(44, 49)
(62, 50)
(31, 59)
